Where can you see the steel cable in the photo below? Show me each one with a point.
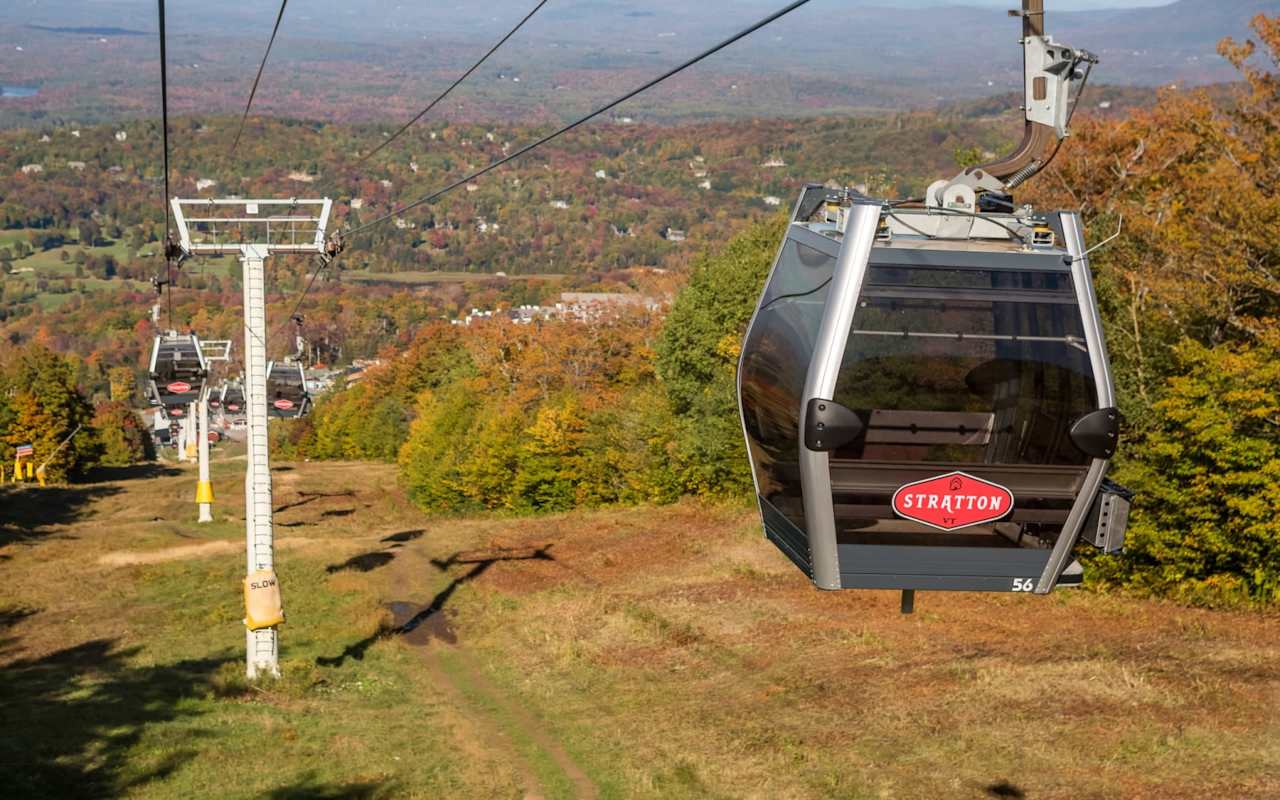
(453, 85)
(257, 78)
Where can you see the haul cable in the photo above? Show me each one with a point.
(581, 121)
(172, 252)
(453, 85)
(253, 91)
(337, 242)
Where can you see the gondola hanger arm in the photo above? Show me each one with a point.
(1050, 69)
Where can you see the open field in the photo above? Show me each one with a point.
(635, 653)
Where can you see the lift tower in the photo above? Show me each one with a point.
(255, 230)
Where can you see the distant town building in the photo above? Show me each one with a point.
(774, 163)
(673, 235)
(205, 183)
(770, 200)
(559, 204)
(76, 165)
(32, 169)
(301, 177)
(121, 136)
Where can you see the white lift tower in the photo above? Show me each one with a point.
(254, 230)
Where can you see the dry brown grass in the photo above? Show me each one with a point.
(653, 653)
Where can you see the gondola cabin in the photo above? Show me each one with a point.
(232, 400)
(927, 401)
(177, 371)
(287, 395)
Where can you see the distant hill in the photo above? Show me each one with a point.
(367, 59)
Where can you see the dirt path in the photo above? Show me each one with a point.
(129, 558)
(583, 787)
(484, 733)
(497, 719)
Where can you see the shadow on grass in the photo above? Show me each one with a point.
(310, 497)
(135, 472)
(310, 789)
(1005, 791)
(479, 561)
(69, 720)
(365, 562)
(368, 562)
(404, 536)
(27, 513)
(10, 617)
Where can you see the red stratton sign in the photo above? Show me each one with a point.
(178, 387)
(283, 405)
(955, 500)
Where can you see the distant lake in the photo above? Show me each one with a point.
(18, 91)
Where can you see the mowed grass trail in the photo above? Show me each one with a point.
(647, 653)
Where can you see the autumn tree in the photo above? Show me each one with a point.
(1191, 298)
(122, 439)
(44, 408)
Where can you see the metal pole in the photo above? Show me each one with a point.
(263, 650)
(183, 428)
(204, 489)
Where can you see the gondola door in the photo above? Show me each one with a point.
(957, 415)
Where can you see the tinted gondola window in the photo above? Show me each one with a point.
(775, 363)
(967, 367)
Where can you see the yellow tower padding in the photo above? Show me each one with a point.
(263, 607)
(40, 475)
(31, 470)
(204, 492)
